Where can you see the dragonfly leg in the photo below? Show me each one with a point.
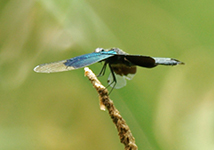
(102, 72)
(114, 80)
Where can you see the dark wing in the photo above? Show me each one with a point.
(150, 62)
(143, 61)
(73, 63)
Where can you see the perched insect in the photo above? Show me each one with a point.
(122, 65)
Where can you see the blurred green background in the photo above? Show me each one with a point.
(166, 108)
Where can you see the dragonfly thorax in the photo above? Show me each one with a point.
(119, 59)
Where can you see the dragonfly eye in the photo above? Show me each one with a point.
(97, 50)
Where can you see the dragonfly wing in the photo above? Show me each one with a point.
(150, 62)
(120, 81)
(73, 63)
(121, 72)
(58, 66)
(129, 76)
(143, 61)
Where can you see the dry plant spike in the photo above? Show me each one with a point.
(124, 132)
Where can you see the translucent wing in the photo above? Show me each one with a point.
(73, 63)
(121, 73)
(120, 81)
(58, 66)
(129, 76)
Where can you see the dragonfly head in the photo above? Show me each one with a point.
(97, 50)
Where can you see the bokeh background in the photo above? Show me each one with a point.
(166, 107)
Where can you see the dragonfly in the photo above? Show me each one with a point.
(123, 66)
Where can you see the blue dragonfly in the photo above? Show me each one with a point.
(122, 65)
